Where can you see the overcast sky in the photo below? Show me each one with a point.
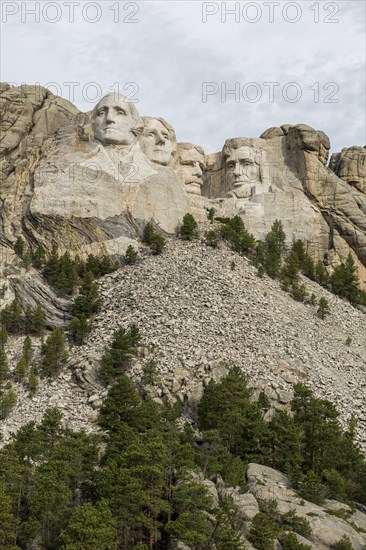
(168, 53)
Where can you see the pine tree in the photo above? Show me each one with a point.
(290, 270)
(51, 269)
(344, 544)
(150, 373)
(90, 526)
(19, 247)
(20, 369)
(119, 355)
(193, 524)
(323, 308)
(8, 399)
(234, 231)
(8, 522)
(306, 263)
(28, 319)
(212, 238)
(318, 420)
(79, 328)
(148, 233)
(131, 255)
(38, 257)
(312, 488)
(275, 246)
(285, 444)
(226, 536)
(298, 292)
(33, 381)
(263, 532)
(120, 406)
(4, 365)
(227, 408)
(27, 259)
(345, 281)
(321, 274)
(27, 350)
(38, 322)
(189, 228)
(157, 244)
(12, 317)
(3, 335)
(155, 241)
(88, 302)
(54, 354)
(134, 334)
(289, 541)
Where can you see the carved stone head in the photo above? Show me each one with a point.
(242, 168)
(189, 163)
(158, 140)
(116, 121)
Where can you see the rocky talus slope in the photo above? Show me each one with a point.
(197, 315)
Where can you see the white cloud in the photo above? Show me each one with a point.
(170, 52)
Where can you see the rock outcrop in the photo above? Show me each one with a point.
(326, 529)
(91, 181)
(350, 166)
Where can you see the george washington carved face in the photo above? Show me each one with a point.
(116, 121)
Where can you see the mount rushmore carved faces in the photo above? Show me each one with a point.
(189, 164)
(116, 121)
(242, 168)
(158, 140)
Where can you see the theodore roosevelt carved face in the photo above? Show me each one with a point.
(158, 140)
(189, 165)
(116, 121)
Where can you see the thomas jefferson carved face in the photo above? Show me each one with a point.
(116, 121)
(158, 141)
(189, 167)
(242, 172)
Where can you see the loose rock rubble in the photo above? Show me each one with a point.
(197, 317)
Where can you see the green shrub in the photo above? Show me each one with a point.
(263, 532)
(344, 544)
(153, 239)
(189, 228)
(119, 355)
(8, 399)
(131, 255)
(312, 488)
(296, 523)
(323, 308)
(54, 354)
(289, 542)
(212, 238)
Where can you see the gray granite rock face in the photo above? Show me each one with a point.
(350, 166)
(326, 530)
(92, 180)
